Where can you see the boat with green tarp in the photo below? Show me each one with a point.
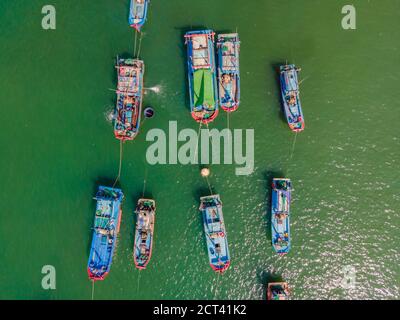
(202, 75)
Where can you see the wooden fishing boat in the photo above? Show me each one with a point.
(129, 98)
(202, 75)
(214, 228)
(291, 97)
(106, 227)
(138, 13)
(144, 235)
(228, 46)
(278, 291)
(280, 215)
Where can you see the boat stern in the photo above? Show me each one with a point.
(96, 277)
(221, 268)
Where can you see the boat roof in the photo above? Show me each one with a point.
(210, 197)
(138, 10)
(129, 78)
(227, 36)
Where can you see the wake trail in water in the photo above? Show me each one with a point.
(156, 89)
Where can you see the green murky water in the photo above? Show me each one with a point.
(57, 146)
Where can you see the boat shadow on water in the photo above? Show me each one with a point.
(269, 175)
(276, 71)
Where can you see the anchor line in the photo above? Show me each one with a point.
(292, 151)
(144, 182)
(140, 46)
(217, 284)
(229, 132)
(134, 47)
(209, 186)
(198, 137)
(92, 289)
(120, 162)
(138, 284)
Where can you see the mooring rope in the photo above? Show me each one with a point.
(120, 162)
(138, 282)
(198, 138)
(291, 153)
(92, 289)
(144, 182)
(229, 132)
(217, 284)
(134, 47)
(293, 146)
(209, 186)
(140, 46)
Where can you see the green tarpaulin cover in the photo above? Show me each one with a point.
(203, 88)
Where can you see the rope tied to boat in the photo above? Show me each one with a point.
(292, 152)
(209, 186)
(92, 289)
(134, 47)
(144, 182)
(120, 162)
(198, 138)
(140, 45)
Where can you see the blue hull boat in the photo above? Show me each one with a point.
(291, 97)
(138, 13)
(106, 227)
(228, 46)
(144, 235)
(280, 215)
(214, 228)
(203, 88)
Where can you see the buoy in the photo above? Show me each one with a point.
(149, 112)
(205, 172)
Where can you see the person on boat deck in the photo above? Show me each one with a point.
(291, 98)
(226, 78)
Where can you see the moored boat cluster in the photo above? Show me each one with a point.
(214, 82)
